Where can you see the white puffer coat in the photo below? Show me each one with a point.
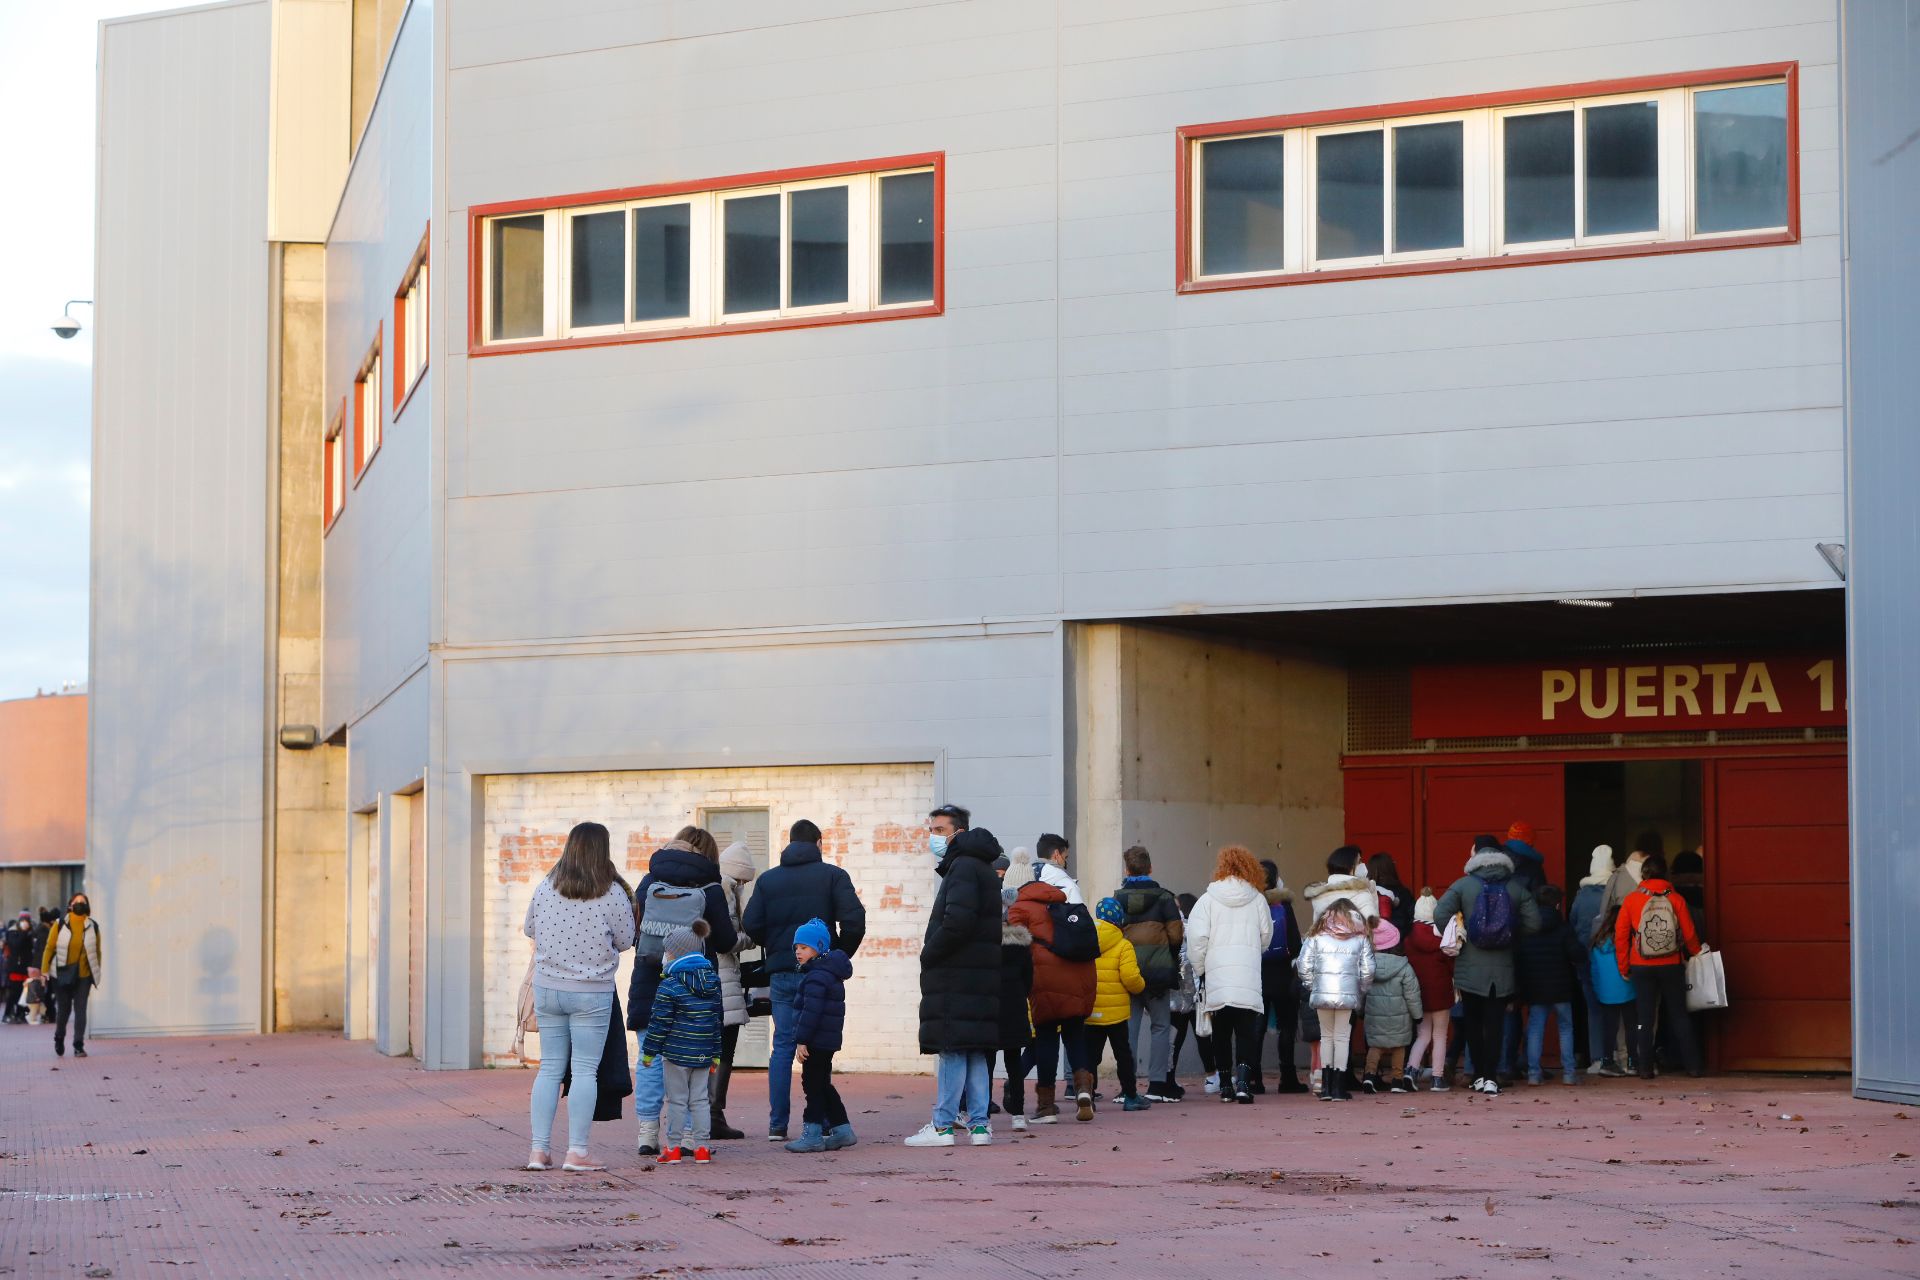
(1229, 928)
(1337, 970)
(736, 872)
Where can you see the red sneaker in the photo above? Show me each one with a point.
(702, 1156)
(668, 1155)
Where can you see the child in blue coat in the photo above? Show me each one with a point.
(684, 1031)
(819, 1026)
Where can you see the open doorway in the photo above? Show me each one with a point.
(1613, 802)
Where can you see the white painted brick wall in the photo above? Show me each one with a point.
(872, 822)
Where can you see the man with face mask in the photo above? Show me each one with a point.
(72, 965)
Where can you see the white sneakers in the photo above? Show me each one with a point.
(1213, 1083)
(1485, 1084)
(1019, 1124)
(931, 1135)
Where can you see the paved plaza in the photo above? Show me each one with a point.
(306, 1155)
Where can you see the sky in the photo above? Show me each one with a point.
(47, 53)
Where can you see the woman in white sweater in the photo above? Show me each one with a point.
(1228, 930)
(580, 920)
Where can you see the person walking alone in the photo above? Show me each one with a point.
(580, 920)
(72, 967)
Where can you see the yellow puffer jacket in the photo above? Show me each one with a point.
(1118, 974)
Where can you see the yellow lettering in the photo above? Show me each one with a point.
(1718, 673)
(1556, 687)
(1681, 683)
(1640, 691)
(1600, 711)
(1757, 686)
(1823, 673)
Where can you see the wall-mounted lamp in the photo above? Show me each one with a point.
(299, 737)
(68, 325)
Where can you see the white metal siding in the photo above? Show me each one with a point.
(182, 421)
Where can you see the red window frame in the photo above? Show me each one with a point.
(333, 439)
(1186, 282)
(361, 458)
(417, 264)
(477, 214)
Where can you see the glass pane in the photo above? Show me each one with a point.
(662, 261)
(1349, 168)
(1538, 180)
(817, 254)
(1740, 158)
(1429, 196)
(906, 238)
(1242, 219)
(519, 283)
(752, 254)
(599, 260)
(1623, 168)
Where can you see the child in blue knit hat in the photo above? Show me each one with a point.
(819, 1026)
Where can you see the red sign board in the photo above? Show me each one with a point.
(1643, 693)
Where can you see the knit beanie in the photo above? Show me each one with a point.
(1385, 936)
(1600, 869)
(1109, 910)
(1423, 907)
(1521, 830)
(681, 943)
(813, 934)
(736, 863)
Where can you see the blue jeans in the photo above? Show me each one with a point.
(960, 1082)
(649, 1096)
(573, 1029)
(785, 990)
(1537, 1034)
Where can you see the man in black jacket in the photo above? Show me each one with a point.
(678, 864)
(960, 988)
(803, 887)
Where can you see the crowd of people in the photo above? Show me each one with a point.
(1383, 991)
(49, 967)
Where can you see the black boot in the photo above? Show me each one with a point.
(1337, 1086)
(1242, 1087)
(721, 1129)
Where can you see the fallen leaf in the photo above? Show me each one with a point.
(1490, 1206)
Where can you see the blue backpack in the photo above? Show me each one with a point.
(1490, 923)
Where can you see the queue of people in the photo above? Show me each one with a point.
(1389, 991)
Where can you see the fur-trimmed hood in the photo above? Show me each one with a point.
(1015, 935)
(1600, 870)
(1337, 885)
(1490, 865)
(1279, 897)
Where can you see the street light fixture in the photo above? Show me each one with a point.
(68, 325)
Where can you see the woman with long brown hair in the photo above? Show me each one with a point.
(1229, 929)
(580, 920)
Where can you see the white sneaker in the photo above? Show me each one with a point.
(982, 1136)
(1020, 1124)
(931, 1136)
(1213, 1083)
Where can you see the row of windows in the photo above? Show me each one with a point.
(364, 407)
(1672, 164)
(845, 244)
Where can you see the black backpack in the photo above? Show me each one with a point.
(1074, 937)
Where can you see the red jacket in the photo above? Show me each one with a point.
(1061, 988)
(1626, 928)
(1432, 966)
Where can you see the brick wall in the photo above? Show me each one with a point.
(872, 822)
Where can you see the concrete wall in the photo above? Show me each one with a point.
(1881, 61)
(178, 737)
(312, 54)
(1186, 743)
(43, 779)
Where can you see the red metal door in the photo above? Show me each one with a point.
(1777, 908)
(1463, 801)
(1382, 813)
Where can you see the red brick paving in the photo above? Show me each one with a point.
(309, 1156)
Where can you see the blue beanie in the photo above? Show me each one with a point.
(813, 934)
(1109, 910)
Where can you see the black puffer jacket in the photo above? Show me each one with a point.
(1544, 962)
(960, 958)
(803, 887)
(677, 864)
(1016, 986)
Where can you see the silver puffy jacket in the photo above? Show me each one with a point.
(1337, 970)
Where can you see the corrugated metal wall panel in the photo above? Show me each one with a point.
(180, 547)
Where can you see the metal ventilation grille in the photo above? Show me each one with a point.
(1379, 709)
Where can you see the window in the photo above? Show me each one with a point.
(1681, 162)
(333, 470)
(366, 411)
(857, 242)
(410, 328)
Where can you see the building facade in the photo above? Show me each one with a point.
(1277, 424)
(43, 800)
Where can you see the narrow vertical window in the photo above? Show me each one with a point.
(1740, 158)
(1350, 177)
(1243, 205)
(662, 262)
(518, 254)
(366, 413)
(333, 471)
(817, 247)
(751, 254)
(906, 238)
(1538, 184)
(598, 270)
(1622, 168)
(1429, 187)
